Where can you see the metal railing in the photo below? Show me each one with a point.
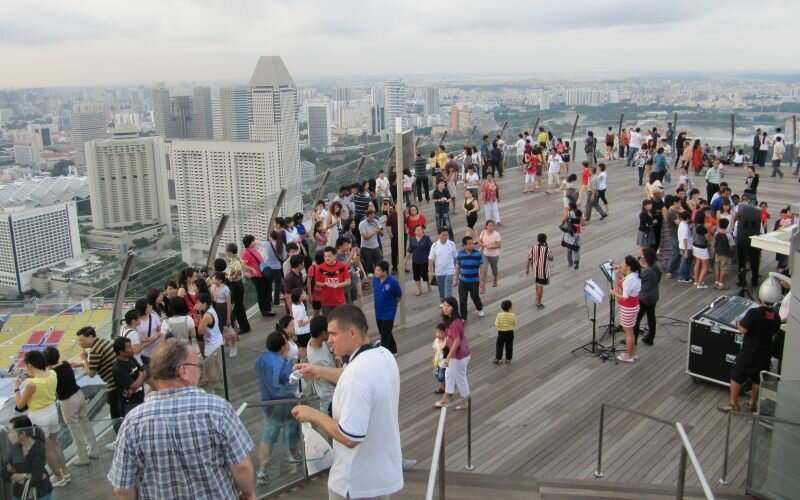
(438, 458)
(687, 451)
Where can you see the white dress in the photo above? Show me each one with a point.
(333, 230)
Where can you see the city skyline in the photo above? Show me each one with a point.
(208, 41)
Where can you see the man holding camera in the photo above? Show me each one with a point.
(370, 228)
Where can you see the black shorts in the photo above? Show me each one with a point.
(302, 339)
(748, 366)
(542, 281)
(420, 271)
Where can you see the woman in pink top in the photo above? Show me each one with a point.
(490, 197)
(491, 242)
(458, 354)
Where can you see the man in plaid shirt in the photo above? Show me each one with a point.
(194, 445)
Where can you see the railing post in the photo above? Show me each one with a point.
(469, 434)
(441, 467)
(224, 371)
(724, 479)
(599, 472)
(681, 474)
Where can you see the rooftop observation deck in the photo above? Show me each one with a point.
(538, 417)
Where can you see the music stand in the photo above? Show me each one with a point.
(611, 327)
(595, 293)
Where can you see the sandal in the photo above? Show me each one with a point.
(439, 391)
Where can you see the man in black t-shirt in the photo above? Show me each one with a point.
(129, 376)
(757, 327)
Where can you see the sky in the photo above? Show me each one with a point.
(107, 42)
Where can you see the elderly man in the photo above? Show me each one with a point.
(166, 430)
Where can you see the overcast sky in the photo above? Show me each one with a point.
(93, 42)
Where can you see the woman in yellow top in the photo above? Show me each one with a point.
(39, 396)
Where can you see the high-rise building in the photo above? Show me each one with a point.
(128, 181)
(162, 113)
(342, 94)
(89, 122)
(243, 180)
(395, 95)
(275, 111)
(216, 116)
(319, 133)
(35, 238)
(431, 101)
(235, 109)
(454, 117)
(183, 117)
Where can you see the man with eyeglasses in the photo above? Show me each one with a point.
(187, 456)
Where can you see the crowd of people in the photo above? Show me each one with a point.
(171, 344)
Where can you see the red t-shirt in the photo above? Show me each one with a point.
(533, 162)
(585, 176)
(412, 224)
(338, 273)
(253, 259)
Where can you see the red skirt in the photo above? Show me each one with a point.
(628, 310)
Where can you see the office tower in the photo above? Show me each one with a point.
(275, 119)
(431, 101)
(89, 122)
(182, 117)
(454, 117)
(162, 113)
(342, 94)
(201, 123)
(128, 180)
(319, 133)
(235, 108)
(224, 177)
(377, 120)
(35, 238)
(216, 116)
(395, 95)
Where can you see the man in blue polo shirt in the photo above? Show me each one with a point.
(387, 294)
(469, 267)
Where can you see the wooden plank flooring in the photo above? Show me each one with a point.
(538, 417)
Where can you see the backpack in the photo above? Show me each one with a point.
(591, 142)
(572, 194)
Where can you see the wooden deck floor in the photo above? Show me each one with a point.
(538, 417)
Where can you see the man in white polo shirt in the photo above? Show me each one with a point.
(367, 461)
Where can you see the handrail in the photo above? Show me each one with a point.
(687, 449)
(276, 402)
(755, 416)
(438, 458)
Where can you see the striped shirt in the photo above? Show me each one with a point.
(540, 260)
(469, 266)
(505, 321)
(162, 456)
(101, 360)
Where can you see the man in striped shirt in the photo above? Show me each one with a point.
(100, 361)
(469, 269)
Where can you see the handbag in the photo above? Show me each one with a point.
(570, 241)
(567, 227)
(433, 281)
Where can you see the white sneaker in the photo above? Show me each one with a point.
(481, 313)
(234, 352)
(112, 446)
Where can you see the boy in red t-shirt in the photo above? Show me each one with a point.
(331, 278)
(531, 162)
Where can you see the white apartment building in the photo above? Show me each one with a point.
(128, 181)
(213, 178)
(89, 122)
(35, 238)
(395, 96)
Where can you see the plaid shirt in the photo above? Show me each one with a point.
(178, 444)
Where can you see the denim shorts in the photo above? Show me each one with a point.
(273, 427)
(439, 373)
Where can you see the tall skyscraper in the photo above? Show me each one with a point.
(235, 109)
(244, 179)
(275, 119)
(377, 117)
(319, 133)
(35, 238)
(128, 180)
(342, 94)
(216, 116)
(431, 101)
(395, 95)
(162, 113)
(89, 122)
(182, 117)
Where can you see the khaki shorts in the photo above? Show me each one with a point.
(722, 263)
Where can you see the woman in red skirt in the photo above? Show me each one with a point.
(627, 295)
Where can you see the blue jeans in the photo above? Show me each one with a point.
(443, 220)
(444, 282)
(631, 154)
(685, 272)
(675, 260)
